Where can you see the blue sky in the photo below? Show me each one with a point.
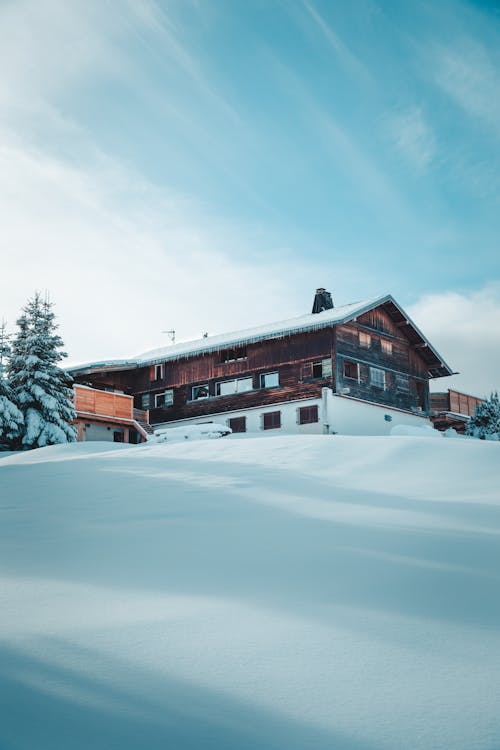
(206, 164)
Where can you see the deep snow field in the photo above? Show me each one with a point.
(296, 593)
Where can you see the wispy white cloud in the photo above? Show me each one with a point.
(123, 259)
(356, 164)
(465, 329)
(412, 136)
(349, 61)
(469, 73)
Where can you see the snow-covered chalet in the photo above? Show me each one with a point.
(359, 369)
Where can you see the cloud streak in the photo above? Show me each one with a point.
(412, 137)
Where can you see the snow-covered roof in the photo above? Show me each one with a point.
(280, 329)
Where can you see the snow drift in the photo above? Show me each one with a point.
(270, 592)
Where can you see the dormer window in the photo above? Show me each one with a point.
(233, 355)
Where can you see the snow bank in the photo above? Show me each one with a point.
(191, 432)
(289, 592)
(425, 431)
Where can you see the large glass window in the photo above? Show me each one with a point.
(227, 387)
(269, 380)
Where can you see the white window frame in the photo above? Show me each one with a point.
(161, 370)
(164, 393)
(265, 375)
(199, 398)
(373, 380)
(235, 383)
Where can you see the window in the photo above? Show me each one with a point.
(240, 385)
(269, 380)
(307, 371)
(159, 372)
(164, 399)
(351, 370)
(118, 436)
(199, 391)
(321, 369)
(145, 400)
(402, 383)
(271, 420)
(377, 377)
(308, 414)
(233, 355)
(386, 346)
(365, 340)
(238, 424)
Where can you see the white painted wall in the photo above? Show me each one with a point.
(98, 432)
(289, 418)
(348, 416)
(339, 414)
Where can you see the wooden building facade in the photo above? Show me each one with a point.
(453, 409)
(287, 376)
(108, 416)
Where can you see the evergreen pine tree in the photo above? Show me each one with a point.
(40, 388)
(485, 424)
(11, 419)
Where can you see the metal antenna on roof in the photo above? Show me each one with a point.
(171, 334)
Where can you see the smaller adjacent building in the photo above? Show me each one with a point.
(108, 416)
(452, 409)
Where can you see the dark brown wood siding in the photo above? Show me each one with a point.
(400, 362)
(285, 356)
(292, 358)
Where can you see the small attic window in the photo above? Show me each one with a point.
(233, 355)
(386, 346)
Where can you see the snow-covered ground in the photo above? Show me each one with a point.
(293, 593)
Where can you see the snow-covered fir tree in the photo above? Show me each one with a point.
(485, 424)
(40, 388)
(11, 419)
